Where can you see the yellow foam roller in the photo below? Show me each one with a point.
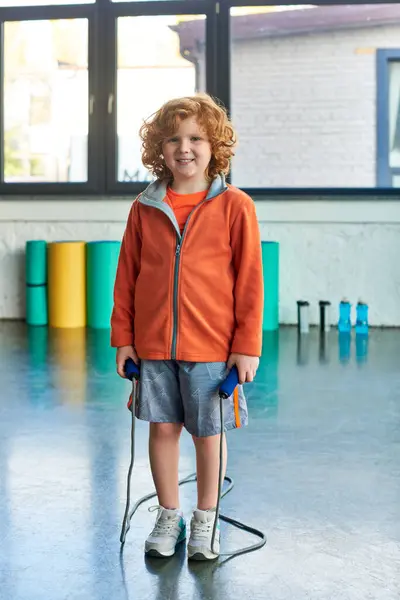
(67, 284)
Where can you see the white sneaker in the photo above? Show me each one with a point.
(168, 532)
(201, 529)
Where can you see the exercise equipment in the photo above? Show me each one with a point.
(36, 282)
(303, 320)
(132, 372)
(361, 318)
(270, 261)
(101, 267)
(36, 262)
(36, 305)
(67, 284)
(344, 323)
(324, 315)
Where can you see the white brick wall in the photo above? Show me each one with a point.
(329, 249)
(305, 108)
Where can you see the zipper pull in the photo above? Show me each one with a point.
(178, 250)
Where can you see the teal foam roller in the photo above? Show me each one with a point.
(270, 259)
(101, 268)
(36, 305)
(36, 262)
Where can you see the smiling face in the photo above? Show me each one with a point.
(187, 154)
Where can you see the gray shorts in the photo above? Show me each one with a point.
(171, 391)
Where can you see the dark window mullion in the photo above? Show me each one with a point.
(98, 86)
(47, 13)
(224, 61)
(211, 52)
(94, 139)
(163, 7)
(223, 56)
(383, 178)
(109, 98)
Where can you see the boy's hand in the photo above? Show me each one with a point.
(246, 365)
(123, 353)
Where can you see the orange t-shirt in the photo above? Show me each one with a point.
(183, 204)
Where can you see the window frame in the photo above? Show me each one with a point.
(38, 13)
(102, 18)
(384, 172)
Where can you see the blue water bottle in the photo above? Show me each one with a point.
(344, 324)
(362, 318)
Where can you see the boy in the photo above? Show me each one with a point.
(188, 304)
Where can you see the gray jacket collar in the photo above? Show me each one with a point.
(155, 193)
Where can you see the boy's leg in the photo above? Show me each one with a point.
(207, 465)
(199, 383)
(159, 402)
(164, 461)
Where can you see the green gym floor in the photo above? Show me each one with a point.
(317, 469)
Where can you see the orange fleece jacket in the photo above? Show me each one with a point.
(194, 298)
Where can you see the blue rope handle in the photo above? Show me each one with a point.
(131, 369)
(227, 387)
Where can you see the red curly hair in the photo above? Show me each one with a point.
(211, 117)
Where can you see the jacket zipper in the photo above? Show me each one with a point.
(176, 281)
(175, 299)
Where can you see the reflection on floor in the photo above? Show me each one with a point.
(317, 469)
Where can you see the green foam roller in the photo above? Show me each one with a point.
(36, 304)
(101, 268)
(270, 259)
(36, 262)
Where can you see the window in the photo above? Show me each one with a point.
(303, 94)
(45, 101)
(154, 65)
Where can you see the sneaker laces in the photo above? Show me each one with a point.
(200, 529)
(163, 524)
